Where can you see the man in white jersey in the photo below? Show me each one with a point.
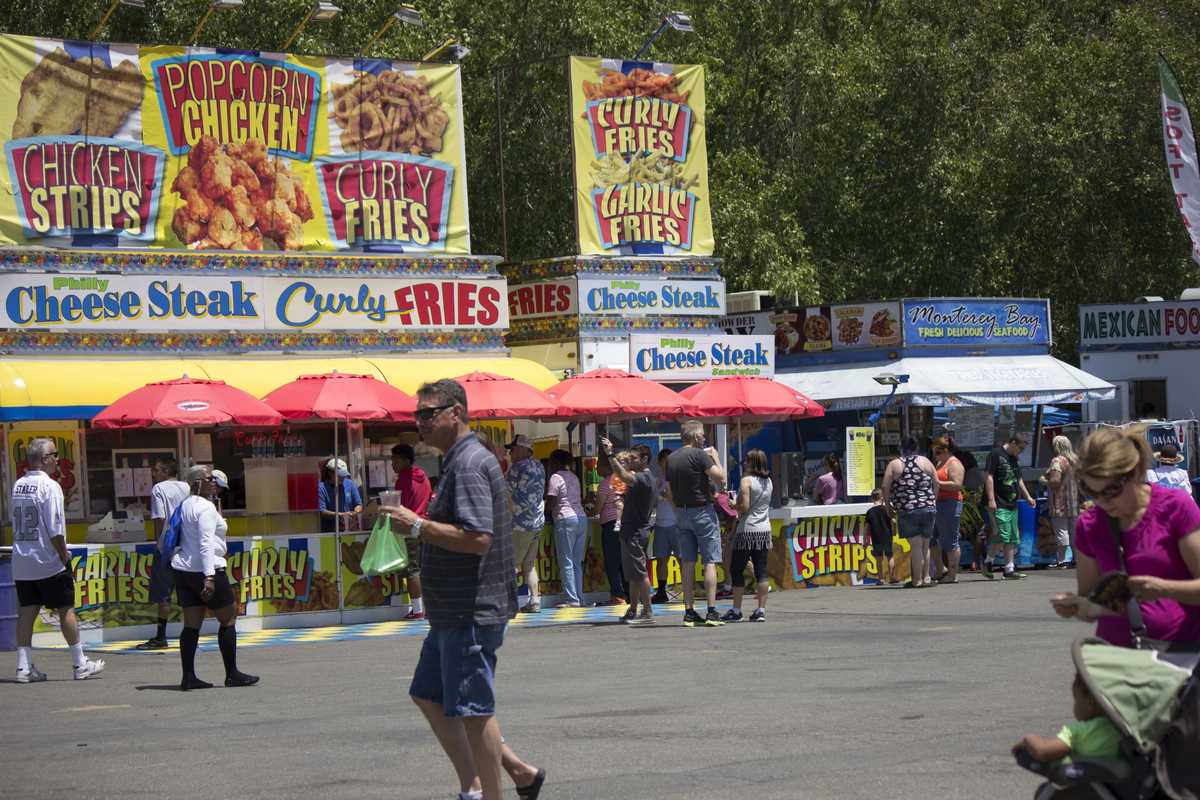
(41, 565)
(167, 494)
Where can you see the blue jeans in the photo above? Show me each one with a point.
(664, 541)
(570, 540)
(948, 514)
(457, 669)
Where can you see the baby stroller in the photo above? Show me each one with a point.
(1153, 699)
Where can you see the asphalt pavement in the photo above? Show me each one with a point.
(869, 692)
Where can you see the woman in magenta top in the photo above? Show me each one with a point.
(1160, 534)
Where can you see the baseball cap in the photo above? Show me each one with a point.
(220, 478)
(203, 472)
(338, 466)
(520, 440)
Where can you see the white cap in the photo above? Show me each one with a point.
(338, 466)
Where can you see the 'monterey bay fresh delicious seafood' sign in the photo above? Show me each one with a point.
(110, 145)
(641, 165)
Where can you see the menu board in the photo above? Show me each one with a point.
(641, 165)
(866, 325)
(117, 145)
(803, 330)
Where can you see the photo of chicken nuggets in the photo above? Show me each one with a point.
(233, 196)
(64, 96)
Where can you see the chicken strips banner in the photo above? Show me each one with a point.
(641, 166)
(112, 145)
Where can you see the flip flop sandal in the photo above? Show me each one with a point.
(531, 791)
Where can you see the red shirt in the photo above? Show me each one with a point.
(414, 488)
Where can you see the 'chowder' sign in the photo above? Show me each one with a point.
(682, 357)
(641, 297)
(199, 303)
(949, 322)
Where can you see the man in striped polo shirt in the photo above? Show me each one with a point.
(470, 591)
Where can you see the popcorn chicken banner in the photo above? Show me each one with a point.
(110, 145)
(641, 164)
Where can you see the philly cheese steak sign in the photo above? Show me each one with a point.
(639, 297)
(150, 303)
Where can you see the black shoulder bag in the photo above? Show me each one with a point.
(1133, 611)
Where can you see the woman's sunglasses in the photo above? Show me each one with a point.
(1110, 491)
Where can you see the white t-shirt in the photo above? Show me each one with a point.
(38, 515)
(1169, 476)
(201, 537)
(164, 497)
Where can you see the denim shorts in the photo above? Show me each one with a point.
(917, 523)
(697, 535)
(948, 514)
(457, 668)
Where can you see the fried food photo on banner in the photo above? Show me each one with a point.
(233, 196)
(392, 112)
(647, 167)
(638, 83)
(63, 96)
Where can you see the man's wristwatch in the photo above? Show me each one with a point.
(415, 530)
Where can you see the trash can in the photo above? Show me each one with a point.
(8, 603)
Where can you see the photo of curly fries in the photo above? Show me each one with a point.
(393, 112)
(638, 83)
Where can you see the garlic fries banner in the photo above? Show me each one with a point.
(111, 145)
(641, 167)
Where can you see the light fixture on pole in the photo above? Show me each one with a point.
(111, 8)
(214, 6)
(405, 15)
(321, 11)
(886, 379)
(674, 19)
(457, 51)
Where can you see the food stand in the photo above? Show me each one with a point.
(988, 360)
(253, 238)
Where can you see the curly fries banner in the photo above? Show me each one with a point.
(110, 145)
(641, 167)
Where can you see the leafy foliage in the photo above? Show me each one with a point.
(857, 148)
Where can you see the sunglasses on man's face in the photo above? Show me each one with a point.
(429, 413)
(1108, 492)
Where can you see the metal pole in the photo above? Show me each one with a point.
(299, 28)
(661, 27)
(104, 20)
(200, 27)
(386, 27)
(500, 164)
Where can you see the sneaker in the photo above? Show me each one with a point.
(531, 608)
(691, 619)
(724, 593)
(987, 572)
(947, 579)
(758, 615)
(732, 615)
(414, 614)
(642, 619)
(660, 598)
(90, 667)
(31, 675)
(1013, 575)
(713, 618)
(629, 616)
(191, 682)
(153, 644)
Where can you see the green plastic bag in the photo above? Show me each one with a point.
(385, 552)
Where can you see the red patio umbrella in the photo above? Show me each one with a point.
(340, 396)
(750, 398)
(612, 393)
(491, 396)
(186, 403)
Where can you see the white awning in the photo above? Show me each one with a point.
(952, 381)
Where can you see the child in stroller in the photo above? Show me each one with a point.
(1139, 730)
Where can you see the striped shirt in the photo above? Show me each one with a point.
(461, 588)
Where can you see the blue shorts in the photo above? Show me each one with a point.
(917, 523)
(457, 668)
(948, 514)
(665, 541)
(697, 535)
